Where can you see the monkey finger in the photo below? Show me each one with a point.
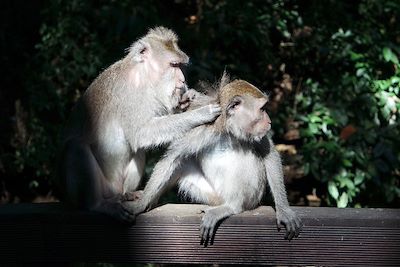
(299, 227)
(291, 234)
(206, 237)
(212, 234)
(286, 235)
(183, 106)
(201, 232)
(205, 234)
(278, 225)
(288, 230)
(215, 108)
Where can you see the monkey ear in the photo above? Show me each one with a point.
(140, 51)
(233, 105)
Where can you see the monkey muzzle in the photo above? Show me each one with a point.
(179, 91)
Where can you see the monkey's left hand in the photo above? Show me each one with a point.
(208, 226)
(290, 220)
(186, 98)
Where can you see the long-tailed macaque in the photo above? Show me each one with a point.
(225, 164)
(125, 111)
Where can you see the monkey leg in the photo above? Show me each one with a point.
(85, 184)
(133, 173)
(193, 185)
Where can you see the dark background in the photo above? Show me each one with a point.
(330, 67)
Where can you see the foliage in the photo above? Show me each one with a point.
(334, 82)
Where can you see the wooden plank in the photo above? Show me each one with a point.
(169, 234)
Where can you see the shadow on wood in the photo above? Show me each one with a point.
(169, 234)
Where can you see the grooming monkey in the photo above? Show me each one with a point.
(225, 164)
(125, 111)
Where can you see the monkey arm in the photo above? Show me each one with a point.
(273, 166)
(284, 214)
(161, 130)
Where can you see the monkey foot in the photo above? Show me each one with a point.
(132, 196)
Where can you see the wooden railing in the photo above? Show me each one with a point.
(52, 233)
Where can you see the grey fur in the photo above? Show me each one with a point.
(226, 169)
(125, 111)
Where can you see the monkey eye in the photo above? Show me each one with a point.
(264, 108)
(175, 64)
(236, 101)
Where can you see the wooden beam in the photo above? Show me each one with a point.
(169, 234)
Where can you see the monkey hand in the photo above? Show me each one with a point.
(207, 113)
(208, 226)
(290, 220)
(187, 98)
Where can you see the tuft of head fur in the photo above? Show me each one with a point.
(162, 33)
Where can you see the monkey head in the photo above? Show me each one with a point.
(243, 111)
(159, 60)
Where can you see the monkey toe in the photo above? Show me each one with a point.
(124, 216)
(128, 218)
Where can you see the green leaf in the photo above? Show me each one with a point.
(389, 56)
(313, 128)
(358, 179)
(343, 200)
(347, 163)
(333, 191)
(360, 72)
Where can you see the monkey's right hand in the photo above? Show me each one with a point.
(207, 113)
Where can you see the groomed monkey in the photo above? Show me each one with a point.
(225, 164)
(125, 111)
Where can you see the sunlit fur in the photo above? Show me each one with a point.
(218, 165)
(125, 111)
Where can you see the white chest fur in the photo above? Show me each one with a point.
(236, 174)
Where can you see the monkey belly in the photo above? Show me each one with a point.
(236, 176)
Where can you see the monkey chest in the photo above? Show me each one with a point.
(241, 171)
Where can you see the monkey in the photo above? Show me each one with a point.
(226, 163)
(128, 109)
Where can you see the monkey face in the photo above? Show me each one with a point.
(158, 58)
(247, 117)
